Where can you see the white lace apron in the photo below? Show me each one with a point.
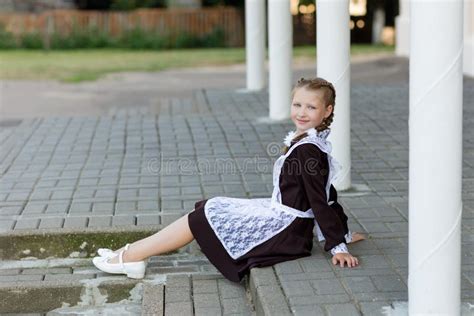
(241, 224)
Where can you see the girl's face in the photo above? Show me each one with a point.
(308, 109)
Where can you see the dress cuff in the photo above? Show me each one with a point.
(348, 237)
(341, 248)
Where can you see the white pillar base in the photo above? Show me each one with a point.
(247, 91)
(401, 309)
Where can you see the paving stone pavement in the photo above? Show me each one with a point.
(148, 165)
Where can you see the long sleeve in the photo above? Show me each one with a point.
(314, 174)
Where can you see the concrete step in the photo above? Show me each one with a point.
(178, 294)
(47, 244)
(121, 308)
(178, 284)
(32, 286)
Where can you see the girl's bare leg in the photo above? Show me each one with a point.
(172, 237)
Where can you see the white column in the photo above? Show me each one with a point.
(378, 25)
(402, 29)
(469, 37)
(255, 43)
(333, 64)
(435, 157)
(280, 45)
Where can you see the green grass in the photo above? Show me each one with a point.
(89, 65)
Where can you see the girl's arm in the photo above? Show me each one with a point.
(341, 248)
(314, 170)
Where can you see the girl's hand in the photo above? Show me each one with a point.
(342, 258)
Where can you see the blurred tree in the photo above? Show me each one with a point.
(191, 4)
(123, 5)
(232, 3)
(118, 4)
(93, 4)
(133, 4)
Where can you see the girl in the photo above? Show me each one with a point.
(239, 234)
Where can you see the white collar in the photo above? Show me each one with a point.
(310, 131)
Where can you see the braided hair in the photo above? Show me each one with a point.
(329, 97)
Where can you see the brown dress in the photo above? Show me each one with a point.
(302, 185)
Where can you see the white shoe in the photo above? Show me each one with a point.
(109, 253)
(134, 270)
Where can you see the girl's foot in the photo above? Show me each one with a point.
(114, 258)
(357, 237)
(116, 265)
(109, 253)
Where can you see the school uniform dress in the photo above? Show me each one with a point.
(239, 234)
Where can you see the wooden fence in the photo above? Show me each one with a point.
(197, 22)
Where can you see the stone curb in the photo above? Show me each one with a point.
(152, 299)
(267, 295)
